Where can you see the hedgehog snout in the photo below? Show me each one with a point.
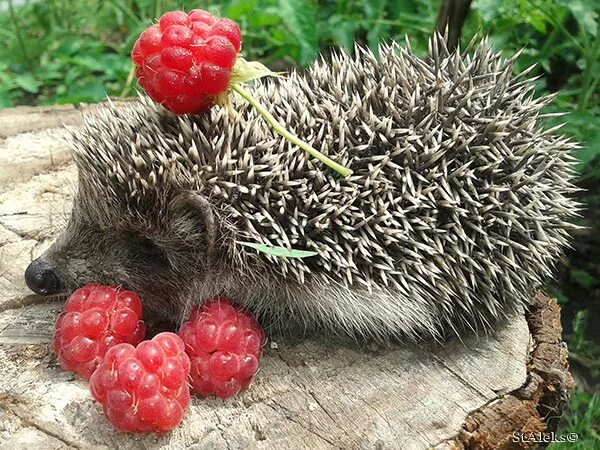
(41, 278)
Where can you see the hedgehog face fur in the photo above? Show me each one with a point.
(456, 210)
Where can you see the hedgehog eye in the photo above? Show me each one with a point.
(146, 245)
(146, 250)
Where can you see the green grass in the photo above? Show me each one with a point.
(78, 51)
(583, 419)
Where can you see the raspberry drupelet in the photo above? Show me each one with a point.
(94, 319)
(224, 344)
(185, 60)
(144, 389)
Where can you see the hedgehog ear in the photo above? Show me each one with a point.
(193, 217)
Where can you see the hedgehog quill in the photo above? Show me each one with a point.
(457, 208)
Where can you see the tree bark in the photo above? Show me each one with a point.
(451, 18)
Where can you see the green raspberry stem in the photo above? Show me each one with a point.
(280, 129)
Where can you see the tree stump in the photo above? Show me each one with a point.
(314, 394)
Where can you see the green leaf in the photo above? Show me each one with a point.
(343, 31)
(266, 20)
(27, 82)
(589, 152)
(398, 7)
(487, 9)
(241, 8)
(278, 251)
(300, 17)
(538, 22)
(583, 127)
(555, 291)
(250, 70)
(107, 63)
(69, 47)
(585, 15)
(91, 92)
(583, 278)
(5, 101)
(375, 10)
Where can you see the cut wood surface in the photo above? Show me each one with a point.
(315, 393)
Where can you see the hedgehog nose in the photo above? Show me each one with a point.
(41, 279)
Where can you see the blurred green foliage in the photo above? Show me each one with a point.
(584, 420)
(78, 51)
(562, 38)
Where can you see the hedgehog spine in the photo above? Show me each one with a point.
(457, 208)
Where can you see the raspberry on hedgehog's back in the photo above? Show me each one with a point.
(184, 61)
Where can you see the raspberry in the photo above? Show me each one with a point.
(94, 319)
(224, 345)
(185, 60)
(144, 388)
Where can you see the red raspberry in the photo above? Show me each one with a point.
(94, 319)
(224, 345)
(185, 60)
(144, 388)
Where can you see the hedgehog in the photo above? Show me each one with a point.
(459, 204)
